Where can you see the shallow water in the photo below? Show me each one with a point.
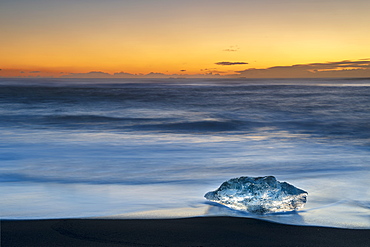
(153, 148)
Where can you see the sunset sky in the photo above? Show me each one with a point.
(237, 38)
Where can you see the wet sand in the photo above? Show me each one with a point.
(198, 231)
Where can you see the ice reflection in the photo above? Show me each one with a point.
(293, 217)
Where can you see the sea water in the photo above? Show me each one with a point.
(153, 147)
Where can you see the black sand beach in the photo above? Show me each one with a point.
(202, 231)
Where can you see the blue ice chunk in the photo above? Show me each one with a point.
(258, 195)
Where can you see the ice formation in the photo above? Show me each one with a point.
(258, 195)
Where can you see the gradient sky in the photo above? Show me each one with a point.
(58, 38)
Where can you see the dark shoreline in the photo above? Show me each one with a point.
(198, 231)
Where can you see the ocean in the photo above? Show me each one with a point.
(151, 148)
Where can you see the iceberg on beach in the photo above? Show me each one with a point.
(258, 195)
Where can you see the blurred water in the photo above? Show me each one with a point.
(81, 148)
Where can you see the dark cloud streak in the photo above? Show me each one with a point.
(230, 63)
